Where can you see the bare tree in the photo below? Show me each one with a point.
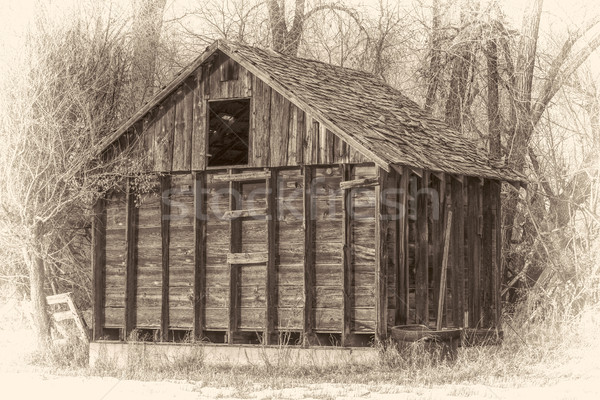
(56, 106)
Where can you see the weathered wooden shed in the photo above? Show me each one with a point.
(295, 199)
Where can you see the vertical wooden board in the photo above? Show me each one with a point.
(179, 105)
(261, 115)
(199, 125)
(98, 266)
(184, 119)
(246, 82)
(148, 133)
(422, 252)
(307, 143)
(487, 254)
(214, 78)
(301, 135)
(322, 149)
(279, 129)
(458, 252)
(163, 144)
(292, 143)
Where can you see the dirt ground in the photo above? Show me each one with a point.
(577, 378)
(36, 385)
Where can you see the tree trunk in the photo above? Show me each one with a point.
(493, 111)
(146, 40)
(435, 58)
(41, 321)
(284, 41)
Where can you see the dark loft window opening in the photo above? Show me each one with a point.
(228, 128)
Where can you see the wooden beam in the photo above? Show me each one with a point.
(381, 224)
(251, 213)
(422, 253)
(235, 257)
(309, 256)
(474, 249)
(271, 276)
(458, 253)
(402, 277)
(346, 256)
(436, 239)
(487, 257)
(443, 275)
(241, 177)
(200, 212)
(165, 212)
(359, 183)
(498, 254)
(98, 266)
(131, 233)
(247, 258)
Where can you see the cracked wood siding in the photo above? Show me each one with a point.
(171, 137)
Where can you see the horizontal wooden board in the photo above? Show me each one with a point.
(290, 318)
(328, 319)
(181, 317)
(216, 318)
(251, 318)
(114, 316)
(148, 317)
(247, 258)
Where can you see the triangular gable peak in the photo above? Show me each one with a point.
(301, 112)
(186, 127)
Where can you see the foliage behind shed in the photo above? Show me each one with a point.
(292, 197)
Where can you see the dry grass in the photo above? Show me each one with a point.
(548, 337)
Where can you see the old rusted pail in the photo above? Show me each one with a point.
(445, 341)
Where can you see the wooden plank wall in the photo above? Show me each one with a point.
(190, 289)
(172, 136)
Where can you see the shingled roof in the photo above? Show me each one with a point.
(377, 119)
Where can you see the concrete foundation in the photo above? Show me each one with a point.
(121, 354)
